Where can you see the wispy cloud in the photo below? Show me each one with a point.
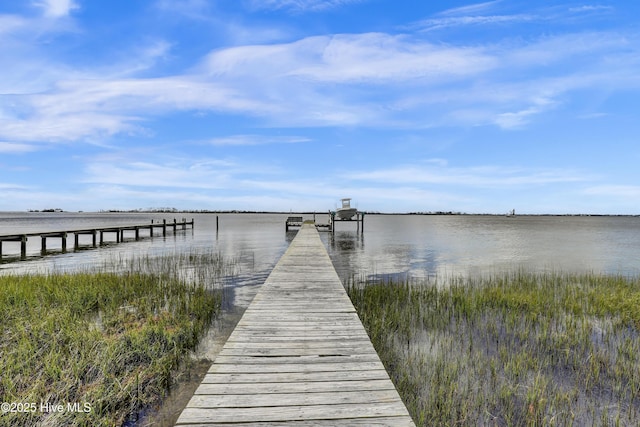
(459, 21)
(257, 140)
(12, 147)
(591, 8)
(13, 187)
(472, 8)
(57, 8)
(631, 192)
(145, 174)
(477, 176)
(298, 5)
(11, 24)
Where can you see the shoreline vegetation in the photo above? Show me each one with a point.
(518, 349)
(111, 342)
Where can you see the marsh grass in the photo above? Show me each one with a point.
(513, 350)
(112, 339)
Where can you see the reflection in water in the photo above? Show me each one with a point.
(412, 246)
(419, 247)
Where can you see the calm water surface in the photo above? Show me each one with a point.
(405, 246)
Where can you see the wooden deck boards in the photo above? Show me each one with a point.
(299, 355)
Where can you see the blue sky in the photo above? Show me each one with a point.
(292, 104)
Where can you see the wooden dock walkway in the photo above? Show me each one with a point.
(298, 356)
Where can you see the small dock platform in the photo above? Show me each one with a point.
(120, 232)
(295, 222)
(298, 356)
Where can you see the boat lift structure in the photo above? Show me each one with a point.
(296, 222)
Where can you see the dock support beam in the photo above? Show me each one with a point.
(62, 235)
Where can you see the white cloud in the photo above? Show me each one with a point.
(478, 176)
(145, 174)
(458, 21)
(352, 58)
(631, 192)
(12, 147)
(472, 8)
(10, 24)
(298, 5)
(57, 8)
(257, 140)
(591, 8)
(13, 187)
(520, 118)
(92, 108)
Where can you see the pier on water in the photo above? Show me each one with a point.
(299, 355)
(295, 222)
(119, 233)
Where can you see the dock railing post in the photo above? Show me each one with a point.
(23, 246)
(333, 222)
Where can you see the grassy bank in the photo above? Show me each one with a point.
(109, 342)
(513, 350)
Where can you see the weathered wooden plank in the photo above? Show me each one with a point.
(280, 352)
(373, 421)
(305, 338)
(292, 377)
(289, 339)
(320, 346)
(293, 399)
(292, 413)
(298, 356)
(310, 387)
(310, 360)
(224, 368)
(296, 329)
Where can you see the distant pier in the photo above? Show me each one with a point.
(120, 233)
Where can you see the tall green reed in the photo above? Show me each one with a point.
(513, 349)
(113, 338)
